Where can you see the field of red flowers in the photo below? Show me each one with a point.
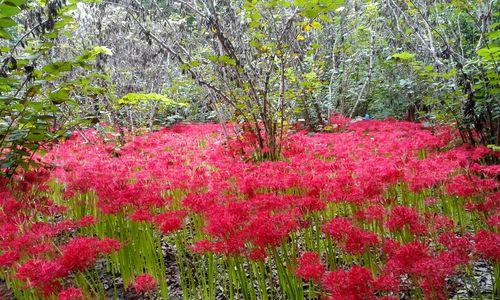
(375, 210)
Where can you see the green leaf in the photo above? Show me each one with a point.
(254, 24)
(490, 53)
(4, 34)
(102, 50)
(316, 25)
(224, 59)
(7, 22)
(256, 16)
(255, 43)
(404, 55)
(58, 67)
(65, 20)
(494, 147)
(194, 63)
(93, 53)
(185, 67)
(7, 10)
(60, 95)
(16, 2)
(493, 35)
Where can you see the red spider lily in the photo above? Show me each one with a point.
(494, 221)
(480, 152)
(405, 217)
(403, 258)
(438, 223)
(488, 244)
(86, 221)
(339, 121)
(309, 267)
(81, 252)
(71, 293)
(41, 274)
(170, 221)
(257, 254)
(144, 283)
(142, 215)
(247, 208)
(270, 230)
(338, 228)
(490, 205)
(352, 239)
(426, 269)
(466, 186)
(356, 283)
(8, 258)
(461, 246)
(371, 213)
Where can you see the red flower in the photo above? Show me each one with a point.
(144, 283)
(81, 252)
(461, 246)
(359, 240)
(480, 152)
(107, 246)
(386, 283)
(41, 274)
(8, 258)
(70, 294)
(428, 270)
(488, 244)
(466, 186)
(270, 230)
(351, 238)
(353, 284)
(371, 213)
(309, 267)
(338, 227)
(403, 258)
(170, 221)
(403, 216)
(257, 254)
(141, 215)
(86, 221)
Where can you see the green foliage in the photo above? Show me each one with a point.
(404, 55)
(137, 98)
(489, 53)
(34, 88)
(317, 8)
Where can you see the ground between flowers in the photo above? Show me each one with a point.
(374, 210)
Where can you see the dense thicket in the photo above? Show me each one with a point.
(264, 64)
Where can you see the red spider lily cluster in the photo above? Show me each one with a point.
(144, 283)
(393, 206)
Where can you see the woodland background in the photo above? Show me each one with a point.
(69, 65)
